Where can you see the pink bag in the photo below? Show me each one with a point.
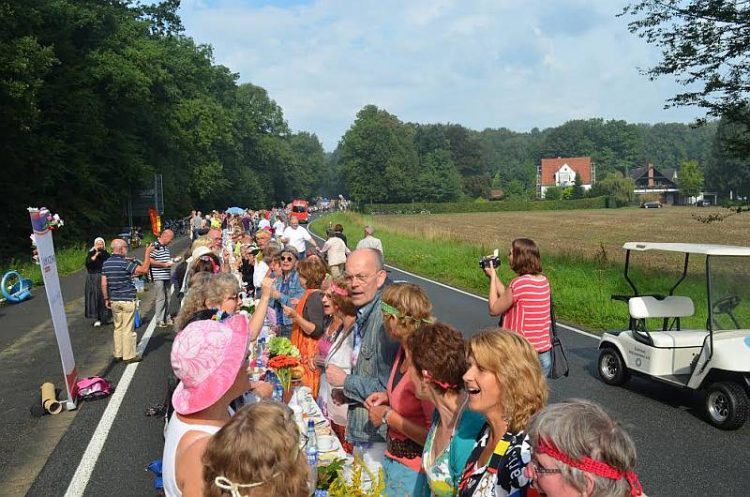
(93, 388)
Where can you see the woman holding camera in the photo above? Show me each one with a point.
(525, 302)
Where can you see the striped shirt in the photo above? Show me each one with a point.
(119, 272)
(161, 254)
(529, 316)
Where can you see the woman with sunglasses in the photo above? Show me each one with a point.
(287, 290)
(438, 363)
(579, 450)
(408, 416)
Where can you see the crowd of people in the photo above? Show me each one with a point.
(443, 415)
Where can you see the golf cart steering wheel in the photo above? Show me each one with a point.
(726, 304)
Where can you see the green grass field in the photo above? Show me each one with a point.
(581, 285)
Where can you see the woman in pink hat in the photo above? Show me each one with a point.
(210, 359)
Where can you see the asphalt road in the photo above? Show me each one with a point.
(679, 453)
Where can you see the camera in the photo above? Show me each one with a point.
(493, 259)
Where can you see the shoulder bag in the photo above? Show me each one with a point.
(559, 359)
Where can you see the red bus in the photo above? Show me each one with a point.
(299, 210)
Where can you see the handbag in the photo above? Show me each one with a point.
(559, 359)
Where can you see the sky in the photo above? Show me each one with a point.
(515, 64)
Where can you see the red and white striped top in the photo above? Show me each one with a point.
(529, 316)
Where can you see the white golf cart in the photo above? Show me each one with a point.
(714, 359)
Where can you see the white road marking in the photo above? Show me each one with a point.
(86, 467)
(469, 294)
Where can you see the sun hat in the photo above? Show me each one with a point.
(198, 253)
(206, 357)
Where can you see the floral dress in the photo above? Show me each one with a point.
(438, 470)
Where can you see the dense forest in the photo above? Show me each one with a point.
(381, 159)
(97, 96)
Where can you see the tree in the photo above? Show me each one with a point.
(553, 192)
(438, 180)
(577, 190)
(726, 173)
(705, 46)
(690, 178)
(616, 185)
(378, 157)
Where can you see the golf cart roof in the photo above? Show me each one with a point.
(690, 248)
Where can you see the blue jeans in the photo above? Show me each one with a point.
(546, 359)
(402, 481)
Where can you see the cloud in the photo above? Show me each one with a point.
(480, 63)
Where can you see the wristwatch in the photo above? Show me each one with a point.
(384, 419)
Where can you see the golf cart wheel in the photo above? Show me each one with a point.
(727, 405)
(612, 369)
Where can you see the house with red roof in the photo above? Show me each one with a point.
(562, 172)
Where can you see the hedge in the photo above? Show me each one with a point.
(497, 206)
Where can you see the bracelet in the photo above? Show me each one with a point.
(384, 419)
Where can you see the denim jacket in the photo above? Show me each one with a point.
(295, 292)
(370, 374)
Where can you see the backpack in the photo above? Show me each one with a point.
(93, 388)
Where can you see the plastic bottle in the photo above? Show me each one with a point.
(260, 358)
(311, 454)
(278, 392)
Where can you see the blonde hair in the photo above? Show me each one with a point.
(260, 444)
(221, 286)
(194, 300)
(413, 304)
(517, 370)
(203, 241)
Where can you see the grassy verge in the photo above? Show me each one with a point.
(581, 287)
(69, 260)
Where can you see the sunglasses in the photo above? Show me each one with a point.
(287, 258)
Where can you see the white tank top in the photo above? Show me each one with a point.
(175, 431)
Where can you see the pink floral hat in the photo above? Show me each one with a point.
(206, 357)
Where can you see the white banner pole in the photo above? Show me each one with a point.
(48, 265)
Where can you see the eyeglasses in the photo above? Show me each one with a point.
(287, 259)
(361, 278)
(541, 470)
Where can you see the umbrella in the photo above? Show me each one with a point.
(235, 210)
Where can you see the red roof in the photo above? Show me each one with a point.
(581, 165)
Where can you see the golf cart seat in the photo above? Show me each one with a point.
(669, 308)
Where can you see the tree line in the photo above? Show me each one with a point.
(382, 159)
(98, 96)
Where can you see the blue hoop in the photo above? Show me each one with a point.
(18, 291)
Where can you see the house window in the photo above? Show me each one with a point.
(563, 178)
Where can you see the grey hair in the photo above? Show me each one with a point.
(221, 286)
(580, 428)
(369, 230)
